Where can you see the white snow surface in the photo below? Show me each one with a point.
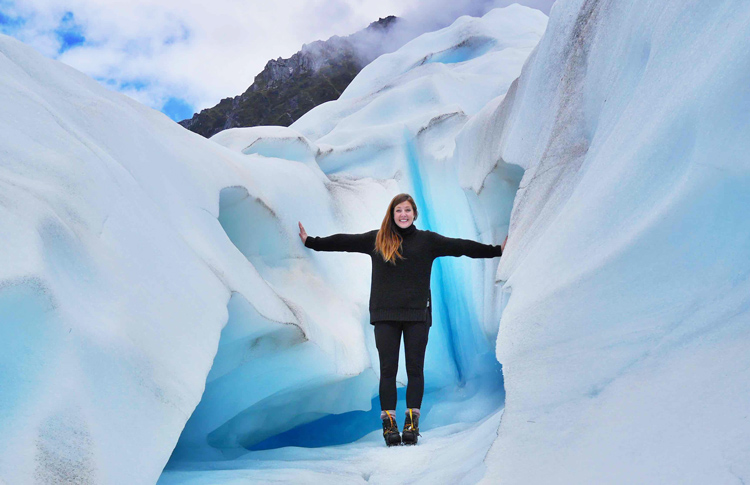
(144, 265)
(450, 454)
(117, 274)
(625, 341)
(392, 139)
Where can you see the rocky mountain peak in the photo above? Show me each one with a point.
(288, 88)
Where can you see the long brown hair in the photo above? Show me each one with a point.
(388, 241)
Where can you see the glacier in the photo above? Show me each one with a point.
(372, 138)
(624, 341)
(158, 308)
(155, 296)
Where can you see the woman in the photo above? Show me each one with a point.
(402, 257)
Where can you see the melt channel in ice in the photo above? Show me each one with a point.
(392, 130)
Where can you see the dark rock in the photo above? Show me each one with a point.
(289, 88)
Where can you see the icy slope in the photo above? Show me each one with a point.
(436, 460)
(132, 248)
(401, 118)
(102, 353)
(625, 340)
(401, 138)
(117, 275)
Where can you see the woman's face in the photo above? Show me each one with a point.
(403, 214)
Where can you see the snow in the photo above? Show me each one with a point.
(627, 266)
(117, 274)
(153, 288)
(273, 142)
(155, 295)
(92, 249)
(365, 461)
(413, 126)
(442, 76)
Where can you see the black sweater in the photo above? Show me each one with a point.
(402, 292)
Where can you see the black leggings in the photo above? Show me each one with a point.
(388, 341)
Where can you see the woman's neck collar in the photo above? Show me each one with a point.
(406, 231)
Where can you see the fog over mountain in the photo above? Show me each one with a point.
(288, 88)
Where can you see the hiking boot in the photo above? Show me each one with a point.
(411, 428)
(390, 430)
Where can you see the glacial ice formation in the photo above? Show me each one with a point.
(153, 287)
(391, 142)
(625, 340)
(144, 264)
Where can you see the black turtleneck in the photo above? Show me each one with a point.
(401, 292)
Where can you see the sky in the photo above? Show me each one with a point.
(181, 56)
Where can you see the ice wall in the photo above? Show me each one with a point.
(624, 341)
(402, 117)
(118, 276)
(393, 130)
(103, 355)
(133, 250)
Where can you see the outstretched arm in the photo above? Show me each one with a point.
(351, 243)
(448, 246)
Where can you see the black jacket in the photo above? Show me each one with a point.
(401, 292)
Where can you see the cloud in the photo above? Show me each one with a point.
(178, 55)
(435, 14)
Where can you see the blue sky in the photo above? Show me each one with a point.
(69, 33)
(180, 57)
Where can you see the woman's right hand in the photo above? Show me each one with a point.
(302, 233)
